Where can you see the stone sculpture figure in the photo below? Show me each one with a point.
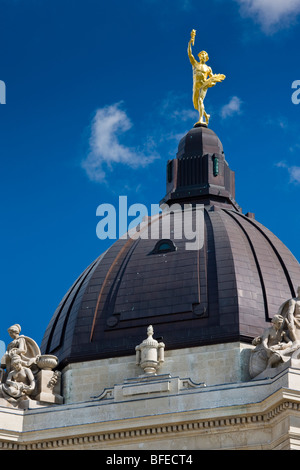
(280, 342)
(203, 78)
(20, 381)
(23, 346)
(27, 373)
(290, 310)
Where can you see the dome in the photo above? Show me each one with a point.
(200, 140)
(226, 290)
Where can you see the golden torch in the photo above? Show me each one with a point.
(193, 34)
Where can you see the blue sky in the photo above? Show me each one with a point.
(98, 95)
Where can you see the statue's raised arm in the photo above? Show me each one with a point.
(192, 42)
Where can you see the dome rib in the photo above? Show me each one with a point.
(224, 311)
(272, 269)
(63, 311)
(266, 309)
(130, 245)
(272, 244)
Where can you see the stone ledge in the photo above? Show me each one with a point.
(175, 428)
(225, 410)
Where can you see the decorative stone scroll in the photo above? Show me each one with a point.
(280, 342)
(150, 353)
(26, 374)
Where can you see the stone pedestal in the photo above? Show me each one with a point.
(48, 385)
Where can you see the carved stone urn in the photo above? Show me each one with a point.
(150, 353)
(47, 361)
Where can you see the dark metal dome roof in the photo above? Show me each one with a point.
(228, 290)
(200, 140)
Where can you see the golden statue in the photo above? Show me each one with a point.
(200, 81)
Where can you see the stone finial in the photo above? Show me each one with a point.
(150, 353)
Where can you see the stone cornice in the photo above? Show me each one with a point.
(281, 404)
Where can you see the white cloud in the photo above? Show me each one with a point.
(294, 171)
(281, 164)
(231, 108)
(110, 128)
(271, 14)
(108, 124)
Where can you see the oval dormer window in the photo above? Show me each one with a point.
(163, 246)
